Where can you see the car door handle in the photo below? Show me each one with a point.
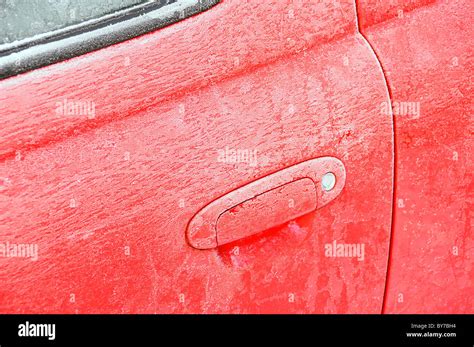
(267, 202)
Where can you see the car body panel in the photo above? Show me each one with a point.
(427, 57)
(107, 195)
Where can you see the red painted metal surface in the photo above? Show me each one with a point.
(107, 195)
(230, 39)
(106, 192)
(427, 57)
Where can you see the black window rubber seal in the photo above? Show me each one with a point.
(26, 55)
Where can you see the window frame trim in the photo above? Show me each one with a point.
(58, 45)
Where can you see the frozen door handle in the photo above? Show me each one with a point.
(271, 208)
(267, 202)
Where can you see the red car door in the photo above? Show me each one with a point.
(425, 48)
(111, 158)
